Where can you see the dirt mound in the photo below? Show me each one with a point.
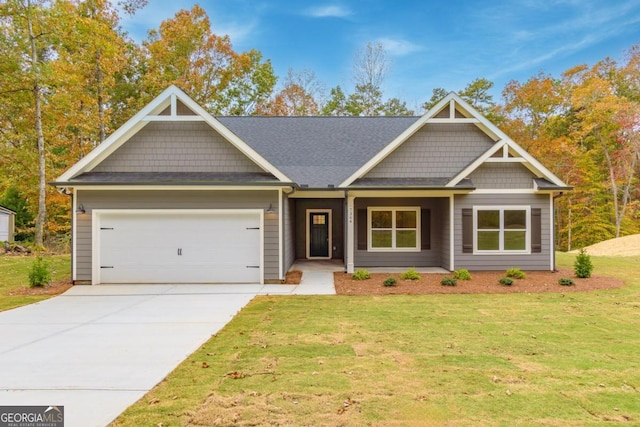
(621, 246)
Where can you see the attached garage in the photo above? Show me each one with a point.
(178, 246)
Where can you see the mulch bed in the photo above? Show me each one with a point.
(53, 288)
(293, 277)
(482, 282)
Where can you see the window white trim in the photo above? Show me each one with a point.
(330, 231)
(393, 228)
(501, 209)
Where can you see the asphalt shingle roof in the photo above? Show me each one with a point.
(317, 151)
(544, 184)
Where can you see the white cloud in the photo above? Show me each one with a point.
(399, 47)
(237, 32)
(329, 12)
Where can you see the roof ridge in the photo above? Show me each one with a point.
(319, 117)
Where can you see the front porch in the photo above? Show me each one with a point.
(386, 233)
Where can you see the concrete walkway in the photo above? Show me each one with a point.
(98, 349)
(312, 283)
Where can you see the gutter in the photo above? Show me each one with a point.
(161, 183)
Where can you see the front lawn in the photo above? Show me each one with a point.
(14, 278)
(507, 359)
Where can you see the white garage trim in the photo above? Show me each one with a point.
(74, 234)
(280, 235)
(96, 224)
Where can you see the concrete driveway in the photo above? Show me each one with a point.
(98, 349)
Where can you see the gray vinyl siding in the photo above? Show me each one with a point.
(289, 233)
(437, 150)
(160, 199)
(177, 147)
(502, 176)
(337, 225)
(534, 261)
(424, 258)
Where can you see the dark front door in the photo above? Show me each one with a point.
(319, 235)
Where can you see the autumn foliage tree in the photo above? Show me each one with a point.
(184, 51)
(585, 126)
(69, 76)
(298, 97)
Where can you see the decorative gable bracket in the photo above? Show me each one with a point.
(455, 115)
(173, 115)
(505, 155)
(507, 151)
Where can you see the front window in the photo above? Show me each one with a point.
(394, 229)
(501, 229)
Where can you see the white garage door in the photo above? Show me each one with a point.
(179, 247)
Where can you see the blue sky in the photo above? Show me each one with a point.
(429, 43)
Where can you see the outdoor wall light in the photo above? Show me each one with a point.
(270, 209)
(80, 209)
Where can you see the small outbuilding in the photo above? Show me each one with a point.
(7, 224)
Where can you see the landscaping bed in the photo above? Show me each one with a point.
(53, 288)
(482, 282)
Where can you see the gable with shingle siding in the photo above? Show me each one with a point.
(436, 150)
(502, 176)
(177, 147)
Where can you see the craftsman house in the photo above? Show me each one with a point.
(179, 196)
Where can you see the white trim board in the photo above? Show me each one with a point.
(454, 102)
(501, 230)
(280, 214)
(394, 229)
(451, 101)
(74, 235)
(167, 98)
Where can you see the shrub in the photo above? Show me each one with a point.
(515, 273)
(565, 281)
(506, 281)
(462, 274)
(40, 273)
(361, 274)
(410, 274)
(582, 266)
(449, 281)
(389, 281)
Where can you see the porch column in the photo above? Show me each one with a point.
(350, 235)
(452, 246)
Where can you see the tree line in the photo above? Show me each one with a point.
(69, 76)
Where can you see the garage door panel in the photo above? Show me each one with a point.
(180, 247)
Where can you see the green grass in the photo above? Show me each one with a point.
(14, 274)
(465, 360)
